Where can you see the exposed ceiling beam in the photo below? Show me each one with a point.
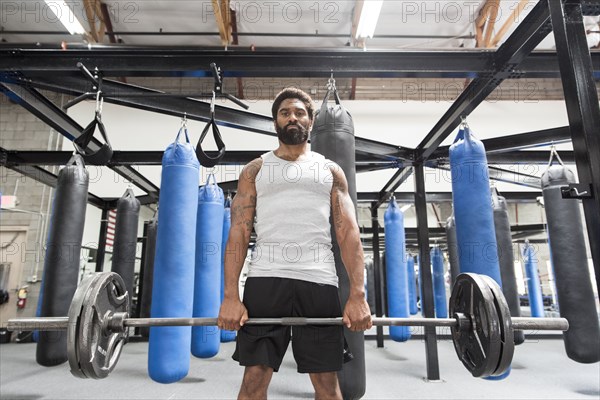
(226, 14)
(514, 16)
(93, 13)
(221, 21)
(107, 21)
(116, 61)
(235, 42)
(494, 6)
(480, 23)
(103, 26)
(90, 15)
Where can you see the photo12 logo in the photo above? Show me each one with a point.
(55, 11)
(261, 12)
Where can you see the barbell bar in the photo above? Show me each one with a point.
(482, 328)
(62, 323)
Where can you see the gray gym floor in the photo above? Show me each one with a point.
(540, 370)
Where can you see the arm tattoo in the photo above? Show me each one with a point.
(337, 212)
(242, 214)
(337, 202)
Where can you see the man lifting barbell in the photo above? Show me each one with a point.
(293, 192)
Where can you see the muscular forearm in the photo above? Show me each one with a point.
(235, 254)
(353, 257)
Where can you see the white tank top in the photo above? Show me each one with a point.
(292, 220)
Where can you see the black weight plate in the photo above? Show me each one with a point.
(74, 315)
(479, 346)
(507, 335)
(99, 349)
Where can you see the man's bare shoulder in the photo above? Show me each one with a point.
(252, 169)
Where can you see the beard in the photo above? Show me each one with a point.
(292, 134)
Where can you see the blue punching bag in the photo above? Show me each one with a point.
(226, 335)
(173, 285)
(397, 275)
(207, 285)
(473, 211)
(412, 287)
(534, 289)
(439, 287)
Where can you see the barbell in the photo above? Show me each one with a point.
(98, 320)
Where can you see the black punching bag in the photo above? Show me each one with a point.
(146, 298)
(63, 253)
(333, 137)
(573, 285)
(125, 244)
(452, 249)
(370, 284)
(506, 258)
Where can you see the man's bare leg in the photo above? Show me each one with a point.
(326, 386)
(256, 382)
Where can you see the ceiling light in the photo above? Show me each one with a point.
(66, 16)
(368, 18)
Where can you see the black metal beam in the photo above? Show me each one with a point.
(41, 175)
(394, 183)
(150, 158)
(115, 61)
(101, 252)
(438, 231)
(533, 158)
(518, 178)
(433, 369)
(163, 34)
(36, 103)
(528, 34)
(143, 270)
(385, 151)
(154, 158)
(517, 142)
(523, 163)
(377, 273)
(583, 110)
(370, 197)
(505, 175)
(442, 197)
(117, 93)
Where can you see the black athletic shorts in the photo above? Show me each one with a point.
(316, 348)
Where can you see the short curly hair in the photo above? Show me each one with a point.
(293, 93)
